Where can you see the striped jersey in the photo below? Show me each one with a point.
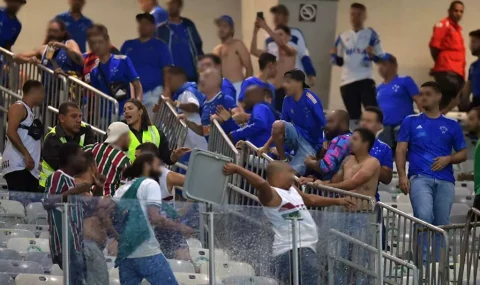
(58, 183)
(111, 162)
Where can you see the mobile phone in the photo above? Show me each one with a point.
(260, 15)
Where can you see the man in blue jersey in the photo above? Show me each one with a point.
(472, 86)
(395, 97)
(301, 127)
(210, 85)
(114, 73)
(151, 58)
(152, 7)
(10, 26)
(429, 138)
(303, 62)
(77, 24)
(259, 126)
(268, 70)
(183, 39)
(211, 60)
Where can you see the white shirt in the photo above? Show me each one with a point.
(351, 46)
(148, 194)
(162, 181)
(292, 204)
(12, 159)
(297, 41)
(193, 140)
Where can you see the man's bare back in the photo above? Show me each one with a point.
(284, 63)
(352, 167)
(233, 55)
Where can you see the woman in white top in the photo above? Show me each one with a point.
(280, 200)
(21, 157)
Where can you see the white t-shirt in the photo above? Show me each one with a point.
(162, 181)
(292, 204)
(297, 41)
(148, 194)
(193, 140)
(351, 46)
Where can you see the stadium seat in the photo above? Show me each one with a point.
(113, 281)
(11, 212)
(32, 228)
(200, 255)
(249, 280)
(193, 242)
(43, 234)
(13, 267)
(227, 269)
(5, 279)
(458, 214)
(36, 214)
(56, 270)
(7, 234)
(26, 245)
(42, 258)
(38, 279)
(110, 262)
(181, 266)
(193, 279)
(9, 254)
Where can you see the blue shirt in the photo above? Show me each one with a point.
(257, 130)
(180, 47)
(383, 153)
(76, 28)
(307, 117)
(149, 59)
(228, 88)
(63, 61)
(210, 108)
(428, 139)
(255, 81)
(9, 29)
(474, 77)
(118, 69)
(395, 99)
(160, 15)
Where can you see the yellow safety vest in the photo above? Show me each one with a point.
(47, 170)
(151, 135)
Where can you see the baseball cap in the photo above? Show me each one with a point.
(145, 16)
(280, 9)
(298, 75)
(389, 58)
(115, 131)
(225, 18)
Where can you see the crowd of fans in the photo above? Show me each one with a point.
(275, 110)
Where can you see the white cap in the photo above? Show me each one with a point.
(115, 131)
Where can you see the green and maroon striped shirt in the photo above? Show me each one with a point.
(111, 162)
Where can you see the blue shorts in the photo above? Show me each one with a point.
(155, 269)
(300, 145)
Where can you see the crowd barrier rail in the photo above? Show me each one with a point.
(8, 97)
(470, 250)
(166, 119)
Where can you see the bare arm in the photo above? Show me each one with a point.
(198, 129)
(312, 200)
(417, 101)
(368, 170)
(459, 156)
(254, 50)
(137, 89)
(386, 174)
(401, 158)
(26, 56)
(16, 114)
(290, 51)
(175, 180)
(338, 177)
(188, 107)
(245, 58)
(156, 219)
(74, 52)
(466, 91)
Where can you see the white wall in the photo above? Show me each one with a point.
(405, 28)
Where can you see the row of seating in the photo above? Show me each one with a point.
(13, 212)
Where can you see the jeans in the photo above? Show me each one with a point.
(155, 269)
(97, 270)
(300, 145)
(77, 267)
(308, 267)
(432, 201)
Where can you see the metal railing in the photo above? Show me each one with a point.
(470, 250)
(8, 98)
(166, 120)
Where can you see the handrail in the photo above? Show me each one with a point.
(174, 111)
(2, 50)
(91, 88)
(344, 193)
(50, 108)
(225, 137)
(10, 92)
(264, 155)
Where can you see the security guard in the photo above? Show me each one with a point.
(142, 130)
(69, 129)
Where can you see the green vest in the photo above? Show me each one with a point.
(47, 170)
(151, 135)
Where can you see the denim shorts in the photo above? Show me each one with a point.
(300, 145)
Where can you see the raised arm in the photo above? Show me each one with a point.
(74, 52)
(254, 50)
(289, 50)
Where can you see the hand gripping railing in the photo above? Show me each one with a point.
(412, 239)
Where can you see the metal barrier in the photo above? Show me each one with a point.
(412, 239)
(174, 129)
(470, 250)
(219, 142)
(8, 98)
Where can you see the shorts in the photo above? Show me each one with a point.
(358, 93)
(238, 88)
(450, 84)
(308, 267)
(97, 270)
(300, 145)
(155, 269)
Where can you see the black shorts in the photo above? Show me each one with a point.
(358, 93)
(22, 181)
(279, 96)
(450, 83)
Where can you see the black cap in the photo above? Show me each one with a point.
(146, 16)
(280, 9)
(298, 75)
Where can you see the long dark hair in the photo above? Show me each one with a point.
(136, 169)
(63, 28)
(145, 118)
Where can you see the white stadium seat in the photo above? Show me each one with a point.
(36, 229)
(42, 258)
(228, 269)
(194, 279)
(200, 255)
(13, 267)
(9, 254)
(193, 242)
(6, 279)
(26, 245)
(110, 260)
(44, 234)
(56, 270)
(12, 212)
(7, 234)
(181, 266)
(36, 214)
(249, 280)
(38, 279)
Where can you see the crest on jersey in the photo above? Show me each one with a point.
(443, 129)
